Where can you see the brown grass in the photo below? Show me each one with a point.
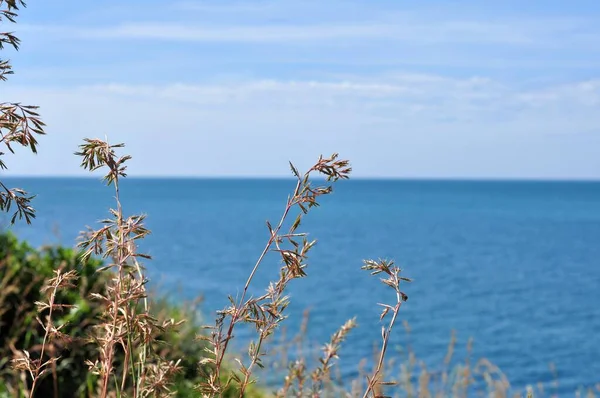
(127, 328)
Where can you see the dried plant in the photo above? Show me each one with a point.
(265, 313)
(19, 124)
(124, 325)
(330, 352)
(295, 382)
(38, 367)
(392, 280)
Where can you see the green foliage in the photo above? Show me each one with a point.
(24, 271)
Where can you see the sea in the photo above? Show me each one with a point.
(513, 266)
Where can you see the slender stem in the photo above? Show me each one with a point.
(129, 351)
(384, 347)
(271, 240)
(252, 363)
(46, 334)
(109, 346)
(119, 257)
(143, 353)
(237, 312)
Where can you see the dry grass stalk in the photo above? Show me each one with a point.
(266, 312)
(124, 325)
(39, 367)
(330, 352)
(296, 381)
(392, 280)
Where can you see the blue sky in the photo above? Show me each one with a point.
(442, 89)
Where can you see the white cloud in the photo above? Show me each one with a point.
(585, 93)
(404, 28)
(395, 125)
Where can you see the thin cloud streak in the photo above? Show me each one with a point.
(520, 33)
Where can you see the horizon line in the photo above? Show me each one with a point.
(360, 178)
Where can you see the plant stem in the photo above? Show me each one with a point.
(109, 346)
(237, 312)
(386, 339)
(252, 363)
(46, 334)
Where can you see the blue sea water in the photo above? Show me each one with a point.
(514, 265)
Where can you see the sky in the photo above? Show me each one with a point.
(403, 89)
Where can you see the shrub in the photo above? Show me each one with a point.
(25, 271)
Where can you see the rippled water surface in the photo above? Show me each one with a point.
(515, 265)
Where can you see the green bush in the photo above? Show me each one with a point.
(25, 270)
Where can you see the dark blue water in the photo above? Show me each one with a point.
(515, 265)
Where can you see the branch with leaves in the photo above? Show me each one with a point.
(19, 124)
